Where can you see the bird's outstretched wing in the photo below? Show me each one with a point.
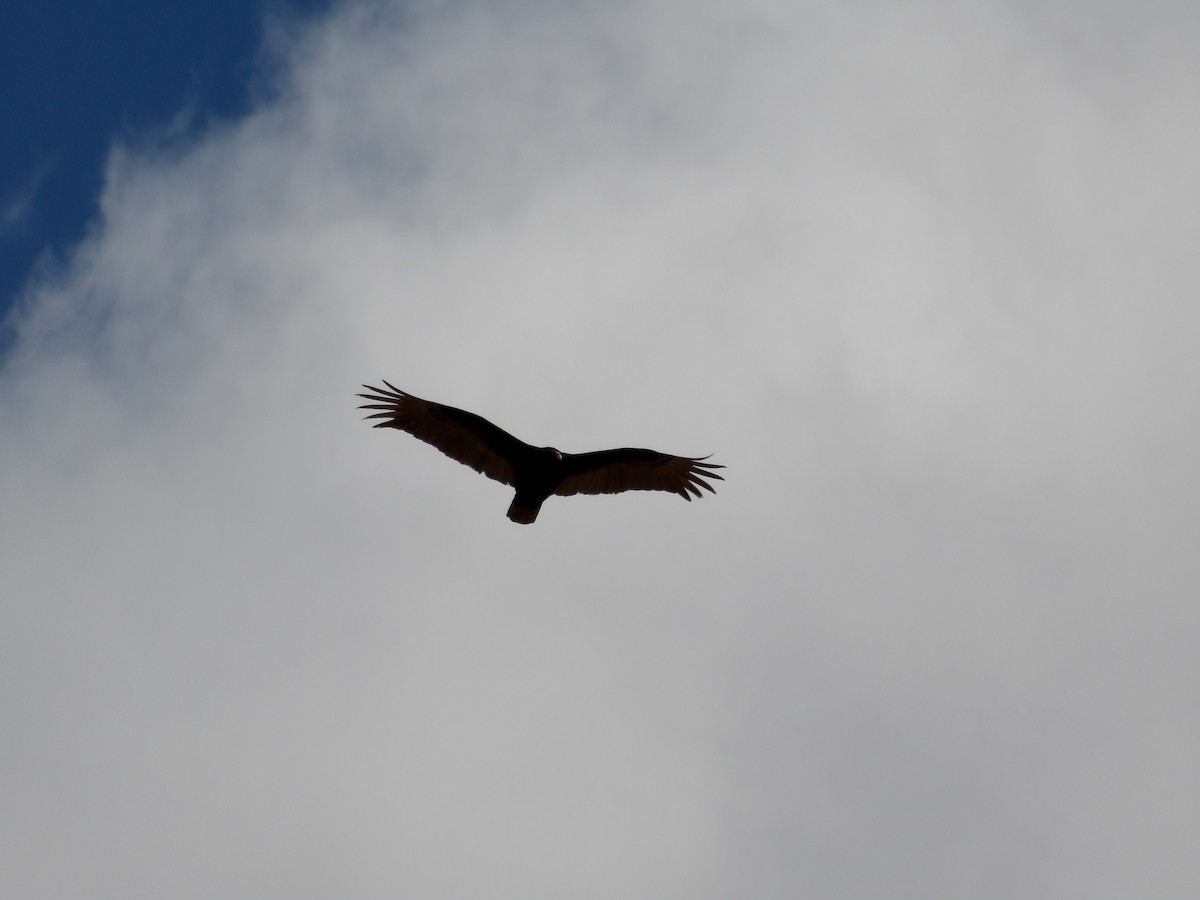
(628, 469)
(470, 439)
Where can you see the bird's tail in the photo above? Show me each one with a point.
(522, 513)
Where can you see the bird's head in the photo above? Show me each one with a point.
(551, 453)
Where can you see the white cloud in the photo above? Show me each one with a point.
(920, 276)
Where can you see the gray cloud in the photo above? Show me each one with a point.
(921, 276)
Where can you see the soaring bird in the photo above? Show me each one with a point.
(535, 472)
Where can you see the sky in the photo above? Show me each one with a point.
(81, 74)
(921, 275)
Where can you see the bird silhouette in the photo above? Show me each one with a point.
(536, 473)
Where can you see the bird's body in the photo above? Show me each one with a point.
(535, 473)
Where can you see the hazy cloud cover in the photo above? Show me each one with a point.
(922, 275)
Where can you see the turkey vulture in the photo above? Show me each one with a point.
(535, 472)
